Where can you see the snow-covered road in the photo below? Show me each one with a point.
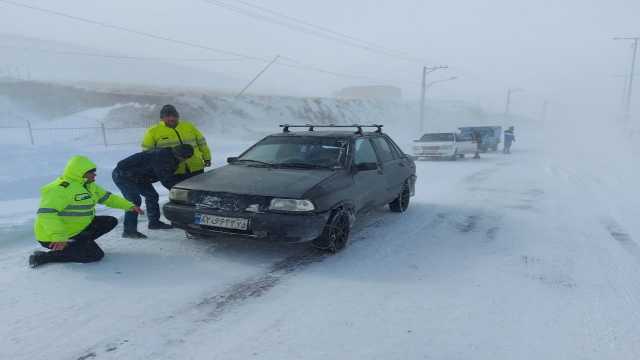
(528, 256)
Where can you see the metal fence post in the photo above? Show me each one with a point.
(30, 132)
(104, 134)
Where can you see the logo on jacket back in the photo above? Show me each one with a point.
(83, 196)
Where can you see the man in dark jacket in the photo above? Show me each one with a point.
(509, 139)
(135, 176)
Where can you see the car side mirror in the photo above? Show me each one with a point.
(232, 159)
(370, 166)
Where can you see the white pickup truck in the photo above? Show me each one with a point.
(444, 146)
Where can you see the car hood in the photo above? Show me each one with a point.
(251, 180)
(433, 143)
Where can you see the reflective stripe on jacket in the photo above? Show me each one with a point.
(67, 205)
(162, 136)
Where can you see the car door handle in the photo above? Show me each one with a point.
(401, 164)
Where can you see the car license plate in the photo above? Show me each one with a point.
(222, 222)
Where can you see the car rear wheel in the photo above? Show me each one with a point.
(401, 203)
(335, 235)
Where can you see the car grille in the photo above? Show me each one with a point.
(228, 203)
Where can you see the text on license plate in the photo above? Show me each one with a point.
(222, 222)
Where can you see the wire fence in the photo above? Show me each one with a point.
(94, 135)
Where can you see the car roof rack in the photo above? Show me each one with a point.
(310, 127)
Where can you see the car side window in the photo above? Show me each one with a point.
(384, 150)
(397, 152)
(364, 152)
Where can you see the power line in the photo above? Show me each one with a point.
(308, 28)
(124, 57)
(132, 31)
(319, 27)
(182, 42)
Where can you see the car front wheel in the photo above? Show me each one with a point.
(335, 235)
(401, 203)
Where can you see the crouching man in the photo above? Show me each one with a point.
(66, 222)
(135, 175)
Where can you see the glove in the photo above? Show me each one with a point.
(57, 246)
(137, 210)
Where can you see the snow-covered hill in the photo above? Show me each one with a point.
(55, 105)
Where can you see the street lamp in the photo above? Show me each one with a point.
(424, 93)
(509, 92)
(426, 70)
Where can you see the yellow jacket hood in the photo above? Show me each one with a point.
(77, 167)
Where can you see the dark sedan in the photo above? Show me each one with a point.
(297, 186)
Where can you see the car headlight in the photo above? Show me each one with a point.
(179, 195)
(291, 205)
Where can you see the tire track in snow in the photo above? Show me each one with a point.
(212, 308)
(622, 237)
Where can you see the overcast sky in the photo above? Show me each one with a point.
(560, 50)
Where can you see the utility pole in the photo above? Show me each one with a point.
(629, 93)
(426, 70)
(259, 74)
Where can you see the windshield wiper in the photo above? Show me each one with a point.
(254, 162)
(303, 165)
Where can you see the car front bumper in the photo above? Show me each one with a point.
(276, 227)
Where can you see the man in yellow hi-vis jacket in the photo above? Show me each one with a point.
(66, 221)
(172, 131)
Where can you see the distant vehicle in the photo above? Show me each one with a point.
(444, 146)
(301, 186)
(490, 136)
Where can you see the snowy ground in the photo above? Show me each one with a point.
(528, 256)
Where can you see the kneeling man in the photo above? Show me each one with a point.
(66, 222)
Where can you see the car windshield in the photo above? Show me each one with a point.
(483, 131)
(298, 151)
(437, 137)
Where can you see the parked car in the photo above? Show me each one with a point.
(297, 186)
(444, 146)
(490, 136)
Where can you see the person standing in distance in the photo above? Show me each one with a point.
(172, 131)
(509, 139)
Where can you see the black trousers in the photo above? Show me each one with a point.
(82, 248)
